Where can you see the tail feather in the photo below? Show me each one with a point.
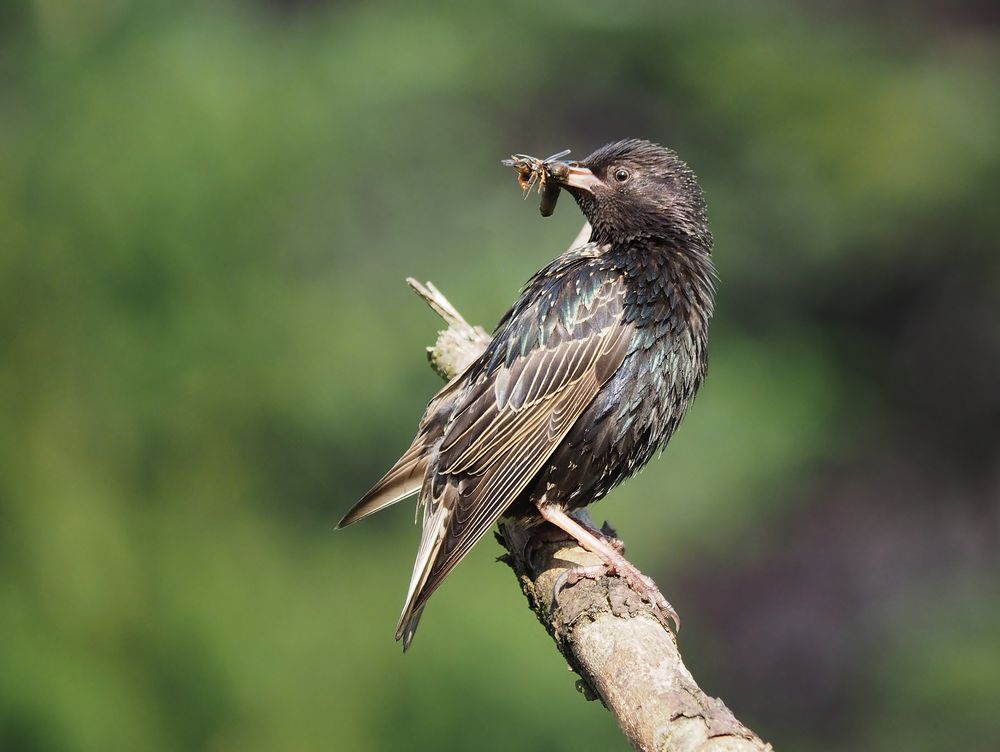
(417, 596)
(408, 628)
(435, 530)
(404, 479)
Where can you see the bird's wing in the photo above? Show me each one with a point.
(406, 476)
(403, 479)
(545, 365)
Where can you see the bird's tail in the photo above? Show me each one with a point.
(408, 626)
(405, 479)
(426, 574)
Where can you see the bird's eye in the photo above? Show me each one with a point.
(621, 174)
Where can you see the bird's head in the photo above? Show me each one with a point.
(636, 189)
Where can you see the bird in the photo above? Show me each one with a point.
(585, 378)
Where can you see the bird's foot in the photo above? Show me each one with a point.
(571, 576)
(614, 562)
(645, 587)
(636, 580)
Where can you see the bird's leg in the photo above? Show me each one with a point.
(614, 563)
(605, 533)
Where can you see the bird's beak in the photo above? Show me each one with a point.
(574, 175)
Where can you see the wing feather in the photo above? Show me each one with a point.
(406, 477)
(508, 423)
(403, 479)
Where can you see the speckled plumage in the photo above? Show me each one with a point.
(586, 377)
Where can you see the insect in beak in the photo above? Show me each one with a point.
(546, 174)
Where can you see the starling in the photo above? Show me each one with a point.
(586, 376)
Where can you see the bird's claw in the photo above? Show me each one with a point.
(645, 587)
(637, 582)
(570, 577)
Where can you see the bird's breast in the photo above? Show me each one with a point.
(633, 416)
(653, 389)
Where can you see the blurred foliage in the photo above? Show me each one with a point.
(207, 353)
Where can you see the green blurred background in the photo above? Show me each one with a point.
(207, 353)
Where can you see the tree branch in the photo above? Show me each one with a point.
(608, 634)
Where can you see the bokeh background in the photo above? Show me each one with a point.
(207, 353)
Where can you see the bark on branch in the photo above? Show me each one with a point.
(608, 634)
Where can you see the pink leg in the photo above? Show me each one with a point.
(614, 562)
(616, 543)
